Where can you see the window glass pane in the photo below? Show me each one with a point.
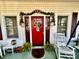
(11, 26)
(62, 24)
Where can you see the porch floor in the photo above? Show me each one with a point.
(28, 55)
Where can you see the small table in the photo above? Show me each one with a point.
(8, 47)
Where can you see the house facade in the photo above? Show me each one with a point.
(66, 15)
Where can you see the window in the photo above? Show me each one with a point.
(11, 26)
(62, 24)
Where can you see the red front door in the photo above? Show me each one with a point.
(37, 24)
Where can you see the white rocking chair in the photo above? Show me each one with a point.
(1, 52)
(63, 51)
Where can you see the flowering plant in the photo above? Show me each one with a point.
(49, 47)
(26, 46)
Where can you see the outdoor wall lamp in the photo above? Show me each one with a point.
(52, 20)
(21, 21)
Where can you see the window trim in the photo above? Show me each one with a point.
(69, 14)
(62, 26)
(14, 29)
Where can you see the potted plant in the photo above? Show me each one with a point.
(49, 47)
(26, 46)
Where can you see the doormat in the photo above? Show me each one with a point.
(38, 53)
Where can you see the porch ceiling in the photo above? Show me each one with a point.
(44, 0)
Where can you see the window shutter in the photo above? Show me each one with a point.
(0, 34)
(27, 29)
(74, 22)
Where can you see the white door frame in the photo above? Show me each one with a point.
(31, 28)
